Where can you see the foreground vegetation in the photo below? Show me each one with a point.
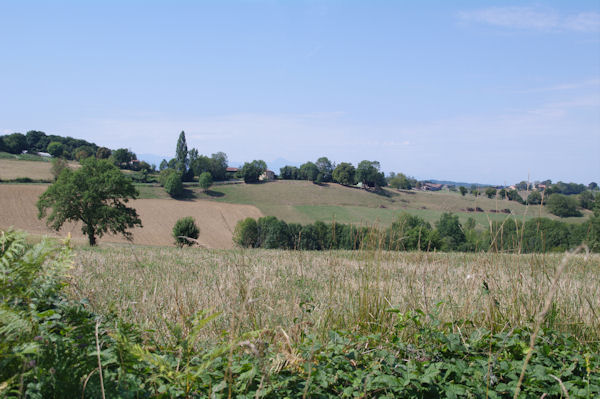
(345, 324)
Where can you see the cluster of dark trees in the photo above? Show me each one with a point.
(323, 170)
(188, 164)
(191, 163)
(69, 148)
(251, 171)
(414, 233)
(35, 141)
(559, 187)
(401, 181)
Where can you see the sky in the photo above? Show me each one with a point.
(493, 92)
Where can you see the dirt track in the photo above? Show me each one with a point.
(216, 220)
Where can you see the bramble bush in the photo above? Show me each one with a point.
(185, 227)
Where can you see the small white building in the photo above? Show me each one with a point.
(267, 175)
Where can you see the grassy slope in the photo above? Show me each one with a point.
(304, 202)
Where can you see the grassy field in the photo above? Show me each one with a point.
(165, 322)
(305, 202)
(316, 292)
(31, 166)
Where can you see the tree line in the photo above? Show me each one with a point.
(409, 233)
(190, 163)
(323, 170)
(69, 148)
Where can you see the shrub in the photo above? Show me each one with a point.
(562, 206)
(490, 192)
(185, 227)
(410, 232)
(164, 174)
(586, 200)
(58, 165)
(55, 149)
(272, 233)
(205, 180)
(535, 198)
(173, 185)
(246, 233)
(450, 231)
(513, 195)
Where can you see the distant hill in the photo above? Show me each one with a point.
(152, 158)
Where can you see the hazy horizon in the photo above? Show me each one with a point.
(492, 92)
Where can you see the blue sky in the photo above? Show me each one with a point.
(465, 90)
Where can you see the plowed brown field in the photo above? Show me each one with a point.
(216, 220)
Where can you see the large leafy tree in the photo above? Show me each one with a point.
(123, 157)
(15, 143)
(344, 174)
(450, 231)
(252, 170)
(289, 173)
(218, 166)
(95, 195)
(325, 168)
(36, 141)
(400, 181)
(562, 205)
(309, 171)
(368, 173)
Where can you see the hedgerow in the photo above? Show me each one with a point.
(414, 233)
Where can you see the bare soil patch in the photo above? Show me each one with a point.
(216, 220)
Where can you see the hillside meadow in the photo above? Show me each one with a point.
(304, 202)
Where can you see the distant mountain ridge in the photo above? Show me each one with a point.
(454, 183)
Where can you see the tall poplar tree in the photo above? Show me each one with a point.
(181, 153)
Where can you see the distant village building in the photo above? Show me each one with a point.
(267, 175)
(230, 172)
(431, 187)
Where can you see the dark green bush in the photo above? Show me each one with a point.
(246, 233)
(562, 205)
(173, 185)
(185, 227)
(535, 198)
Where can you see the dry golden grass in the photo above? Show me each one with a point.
(12, 169)
(316, 292)
(216, 220)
